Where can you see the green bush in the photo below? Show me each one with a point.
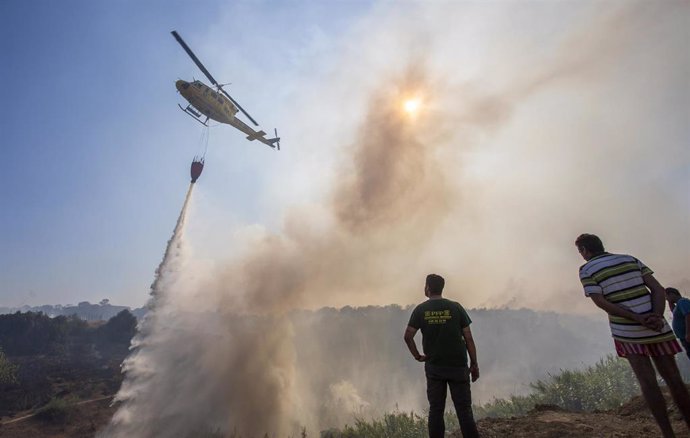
(56, 411)
(513, 406)
(606, 385)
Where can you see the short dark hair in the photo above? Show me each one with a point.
(435, 284)
(673, 291)
(590, 242)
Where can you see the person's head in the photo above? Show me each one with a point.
(673, 295)
(434, 285)
(589, 246)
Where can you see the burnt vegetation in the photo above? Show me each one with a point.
(44, 359)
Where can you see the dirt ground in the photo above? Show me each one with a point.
(632, 420)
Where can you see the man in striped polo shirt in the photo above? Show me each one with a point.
(620, 285)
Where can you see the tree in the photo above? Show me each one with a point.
(119, 329)
(8, 371)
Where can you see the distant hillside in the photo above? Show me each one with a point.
(102, 311)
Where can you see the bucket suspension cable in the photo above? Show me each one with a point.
(203, 142)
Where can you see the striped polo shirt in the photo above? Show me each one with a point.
(619, 278)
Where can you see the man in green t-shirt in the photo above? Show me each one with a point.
(446, 339)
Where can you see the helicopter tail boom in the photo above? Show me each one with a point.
(260, 135)
(256, 135)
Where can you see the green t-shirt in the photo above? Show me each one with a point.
(441, 322)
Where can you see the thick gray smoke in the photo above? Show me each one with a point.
(488, 184)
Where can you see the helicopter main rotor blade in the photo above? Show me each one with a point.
(238, 106)
(194, 58)
(208, 75)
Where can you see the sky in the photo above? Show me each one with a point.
(100, 152)
(545, 120)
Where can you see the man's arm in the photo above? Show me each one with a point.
(687, 328)
(472, 351)
(616, 310)
(411, 345)
(658, 294)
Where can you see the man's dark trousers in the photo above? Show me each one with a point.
(438, 379)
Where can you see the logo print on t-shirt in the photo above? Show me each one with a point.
(437, 316)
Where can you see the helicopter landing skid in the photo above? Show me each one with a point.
(193, 114)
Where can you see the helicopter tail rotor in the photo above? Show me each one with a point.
(273, 142)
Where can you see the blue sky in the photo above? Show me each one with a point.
(97, 151)
(550, 118)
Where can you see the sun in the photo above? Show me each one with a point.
(411, 106)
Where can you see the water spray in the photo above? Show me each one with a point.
(135, 365)
(174, 242)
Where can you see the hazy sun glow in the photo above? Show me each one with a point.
(411, 106)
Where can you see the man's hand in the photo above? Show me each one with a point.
(409, 340)
(652, 321)
(472, 351)
(474, 372)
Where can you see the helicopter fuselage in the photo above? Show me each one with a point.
(207, 101)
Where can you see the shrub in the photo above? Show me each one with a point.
(56, 411)
(606, 385)
(8, 371)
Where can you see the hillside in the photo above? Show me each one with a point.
(631, 420)
(102, 311)
(365, 374)
(373, 347)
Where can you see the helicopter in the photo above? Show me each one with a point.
(216, 104)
